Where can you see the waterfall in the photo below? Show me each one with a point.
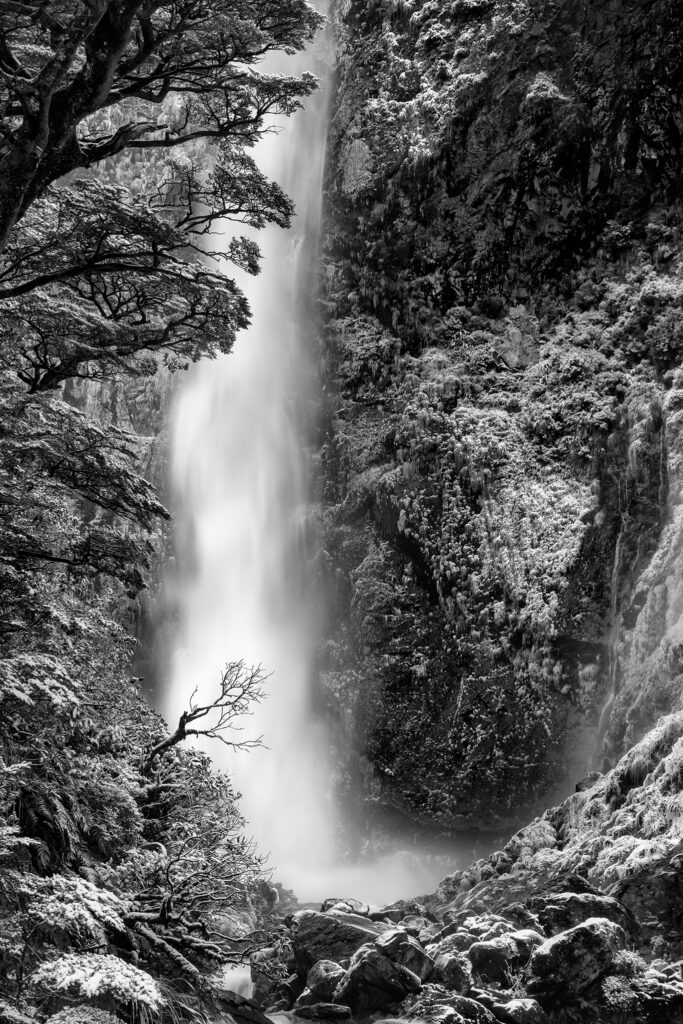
(239, 478)
(240, 485)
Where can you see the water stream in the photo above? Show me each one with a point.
(239, 474)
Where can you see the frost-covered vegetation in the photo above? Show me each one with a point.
(126, 879)
(501, 457)
(622, 834)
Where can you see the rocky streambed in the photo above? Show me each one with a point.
(576, 919)
(566, 955)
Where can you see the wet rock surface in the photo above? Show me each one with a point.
(563, 910)
(573, 960)
(330, 936)
(499, 489)
(453, 970)
(323, 978)
(374, 981)
(520, 1011)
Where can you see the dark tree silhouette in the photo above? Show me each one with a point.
(97, 276)
(62, 61)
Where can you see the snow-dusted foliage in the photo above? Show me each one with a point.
(82, 1015)
(622, 834)
(503, 345)
(97, 976)
(75, 906)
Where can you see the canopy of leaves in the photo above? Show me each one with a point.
(123, 160)
(96, 283)
(98, 277)
(65, 60)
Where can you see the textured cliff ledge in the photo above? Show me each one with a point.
(501, 458)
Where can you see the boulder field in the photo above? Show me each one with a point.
(514, 966)
(577, 920)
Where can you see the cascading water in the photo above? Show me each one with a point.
(240, 483)
(238, 471)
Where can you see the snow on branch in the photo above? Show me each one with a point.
(240, 688)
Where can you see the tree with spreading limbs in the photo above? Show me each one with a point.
(96, 276)
(63, 61)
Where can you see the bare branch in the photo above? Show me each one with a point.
(239, 689)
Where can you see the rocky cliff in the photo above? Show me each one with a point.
(500, 465)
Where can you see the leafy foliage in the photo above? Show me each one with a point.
(68, 61)
(124, 869)
(146, 854)
(96, 278)
(97, 976)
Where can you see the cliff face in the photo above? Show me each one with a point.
(500, 467)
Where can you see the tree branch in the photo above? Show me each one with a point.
(239, 688)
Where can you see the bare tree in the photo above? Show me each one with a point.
(240, 688)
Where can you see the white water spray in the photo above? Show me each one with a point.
(240, 482)
(238, 470)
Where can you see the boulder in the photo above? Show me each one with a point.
(447, 931)
(453, 971)
(373, 981)
(496, 958)
(520, 915)
(324, 1011)
(431, 1003)
(458, 942)
(486, 926)
(426, 935)
(526, 940)
(346, 906)
(398, 911)
(470, 1009)
(415, 923)
(329, 936)
(560, 911)
(404, 949)
(307, 998)
(323, 978)
(520, 1011)
(572, 960)
(496, 929)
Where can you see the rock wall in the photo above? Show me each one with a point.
(500, 456)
